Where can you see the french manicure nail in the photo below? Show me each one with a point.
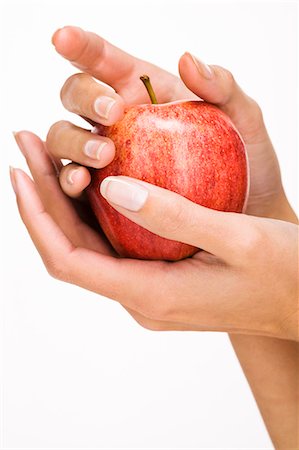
(12, 178)
(103, 105)
(202, 68)
(70, 178)
(124, 193)
(93, 149)
(19, 141)
(15, 135)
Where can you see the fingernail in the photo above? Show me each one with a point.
(12, 178)
(71, 176)
(203, 69)
(124, 193)
(94, 149)
(19, 141)
(103, 105)
(15, 135)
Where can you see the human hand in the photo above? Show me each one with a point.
(99, 59)
(157, 316)
(235, 284)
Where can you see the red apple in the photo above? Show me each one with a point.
(189, 147)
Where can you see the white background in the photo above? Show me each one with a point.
(77, 371)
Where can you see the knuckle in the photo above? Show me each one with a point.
(70, 85)
(61, 267)
(254, 240)
(54, 130)
(57, 127)
(173, 218)
(226, 78)
(255, 106)
(255, 110)
(229, 78)
(56, 269)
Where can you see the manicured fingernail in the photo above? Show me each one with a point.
(19, 141)
(71, 176)
(15, 135)
(124, 193)
(103, 105)
(94, 149)
(12, 178)
(204, 70)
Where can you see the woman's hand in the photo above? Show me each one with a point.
(236, 283)
(82, 95)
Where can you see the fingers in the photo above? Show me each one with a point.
(45, 176)
(82, 95)
(57, 205)
(136, 284)
(36, 218)
(52, 244)
(68, 141)
(216, 85)
(174, 217)
(97, 57)
(74, 179)
(92, 54)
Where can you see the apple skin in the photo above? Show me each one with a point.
(189, 147)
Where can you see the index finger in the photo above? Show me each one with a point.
(94, 55)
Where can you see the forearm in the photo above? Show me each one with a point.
(271, 367)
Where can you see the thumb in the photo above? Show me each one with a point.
(174, 217)
(217, 85)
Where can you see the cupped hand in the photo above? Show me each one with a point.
(235, 284)
(104, 103)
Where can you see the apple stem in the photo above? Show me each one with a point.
(146, 81)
